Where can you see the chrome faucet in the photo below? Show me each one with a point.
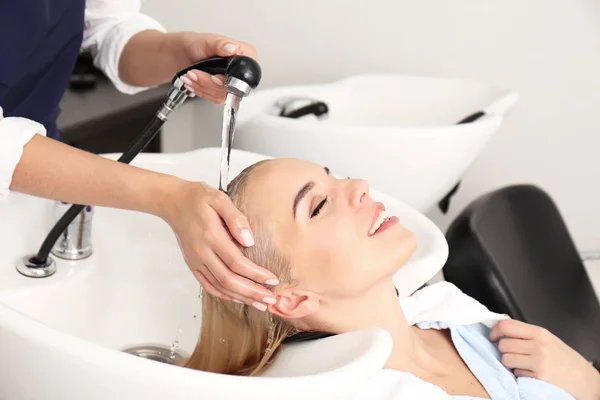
(75, 242)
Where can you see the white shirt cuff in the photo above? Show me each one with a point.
(107, 36)
(15, 133)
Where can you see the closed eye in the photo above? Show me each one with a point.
(304, 191)
(317, 209)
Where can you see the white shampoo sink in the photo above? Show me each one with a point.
(398, 132)
(63, 336)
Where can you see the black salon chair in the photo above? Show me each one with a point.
(511, 250)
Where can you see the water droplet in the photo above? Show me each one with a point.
(221, 340)
(179, 330)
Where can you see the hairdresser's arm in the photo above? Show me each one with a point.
(54, 170)
(135, 52)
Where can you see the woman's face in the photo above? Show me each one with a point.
(324, 226)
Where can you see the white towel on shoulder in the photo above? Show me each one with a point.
(445, 302)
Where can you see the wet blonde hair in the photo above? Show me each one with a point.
(234, 338)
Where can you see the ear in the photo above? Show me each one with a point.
(294, 304)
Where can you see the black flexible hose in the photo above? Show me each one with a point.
(136, 147)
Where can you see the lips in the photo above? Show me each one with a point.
(380, 215)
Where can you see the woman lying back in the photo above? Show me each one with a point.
(335, 251)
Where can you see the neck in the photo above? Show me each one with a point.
(380, 308)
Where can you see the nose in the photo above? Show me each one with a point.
(359, 192)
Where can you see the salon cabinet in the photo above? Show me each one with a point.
(100, 119)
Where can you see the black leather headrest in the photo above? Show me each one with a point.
(511, 250)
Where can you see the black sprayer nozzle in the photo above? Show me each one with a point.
(240, 67)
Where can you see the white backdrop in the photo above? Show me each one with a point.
(547, 50)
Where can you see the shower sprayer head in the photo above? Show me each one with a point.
(243, 73)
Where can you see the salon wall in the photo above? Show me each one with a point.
(547, 50)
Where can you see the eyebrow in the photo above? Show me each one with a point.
(304, 191)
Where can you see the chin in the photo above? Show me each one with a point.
(404, 248)
(394, 248)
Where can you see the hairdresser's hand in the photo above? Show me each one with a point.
(199, 46)
(196, 214)
(534, 352)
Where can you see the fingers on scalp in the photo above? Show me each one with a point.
(209, 288)
(207, 272)
(232, 256)
(220, 276)
(247, 288)
(243, 299)
(235, 221)
(221, 203)
(238, 266)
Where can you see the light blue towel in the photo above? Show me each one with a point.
(484, 360)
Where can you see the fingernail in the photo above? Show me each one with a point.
(191, 89)
(272, 282)
(192, 75)
(230, 48)
(186, 80)
(247, 237)
(216, 80)
(237, 301)
(270, 300)
(259, 306)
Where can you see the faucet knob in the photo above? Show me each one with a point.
(75, 243)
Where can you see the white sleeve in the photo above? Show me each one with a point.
(15, 132)
(109, 24)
